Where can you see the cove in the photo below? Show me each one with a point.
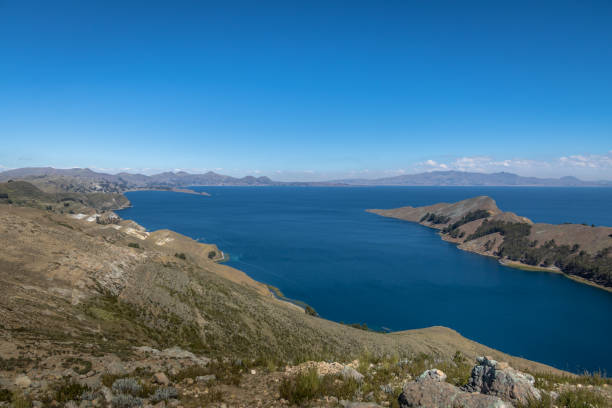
(320, 246)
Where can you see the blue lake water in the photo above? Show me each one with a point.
(320, 246)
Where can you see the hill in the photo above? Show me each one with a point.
(478, 225)
(85, 180)
(462, 178)
(23, 193)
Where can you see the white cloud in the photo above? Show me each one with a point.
(590, 166)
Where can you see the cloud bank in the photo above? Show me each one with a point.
(588, 166)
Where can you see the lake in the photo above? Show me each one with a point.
(318, 245)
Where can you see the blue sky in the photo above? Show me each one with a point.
(308, 90)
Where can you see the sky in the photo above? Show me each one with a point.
(308, 90)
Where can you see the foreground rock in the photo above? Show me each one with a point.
(430, 391)
(496, 378)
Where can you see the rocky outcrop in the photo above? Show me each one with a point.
(499, 379)
(492, 384)
(430, 391)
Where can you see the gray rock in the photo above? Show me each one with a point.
(161, 378)
(107, 394)
(433, 374)
(494, 378)
(115, 368)
(177, 352)
(349, 372)
(206, 378)
(431, 393)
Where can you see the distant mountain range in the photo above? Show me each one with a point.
(86, 180)
(463, 178)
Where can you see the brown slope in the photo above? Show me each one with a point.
(77, 284)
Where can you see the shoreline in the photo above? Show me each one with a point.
(171, 189)
(504, 262)
(531, 268)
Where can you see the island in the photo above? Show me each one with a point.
(581, 252)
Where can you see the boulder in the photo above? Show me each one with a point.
(349, 372)
(434, 374)
(23, 381)
(161, 378)
(206, 378)
(499, 379)
(430, 391)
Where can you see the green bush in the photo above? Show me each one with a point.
(67, 390)
(134, 245)
(435, 218)
(212, 254)
(5, 395)
(580, 398)
(310, 311)
(308, 385)
(78, 365)
(471, 216)
(181, 256)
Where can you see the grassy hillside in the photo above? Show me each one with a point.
(106, 288)
(23, 193)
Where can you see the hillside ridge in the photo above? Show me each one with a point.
(477, 225)
(85, 180)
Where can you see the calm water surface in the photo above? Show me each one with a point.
(320, 246)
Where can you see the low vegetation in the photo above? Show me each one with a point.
(471, 216)
(435, 218)
(309, 385)
(517, 247)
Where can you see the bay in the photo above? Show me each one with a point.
(318, 245)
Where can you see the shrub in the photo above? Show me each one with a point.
(126, 401)
(78, 365)
(21, 401)
(435, 218)
(67, 390)
(164, 394)
(134, 245)
(127, 386)
(310, 311)
(301, 388)
(309, 385)
(181, 256)
(580, 398)
(212, 254)
(544, 402)
(471, 216)
(5, 395)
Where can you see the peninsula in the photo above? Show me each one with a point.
(581, 252)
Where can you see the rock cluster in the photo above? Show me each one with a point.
(492, 384)
(499, 379)
(430, 391)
